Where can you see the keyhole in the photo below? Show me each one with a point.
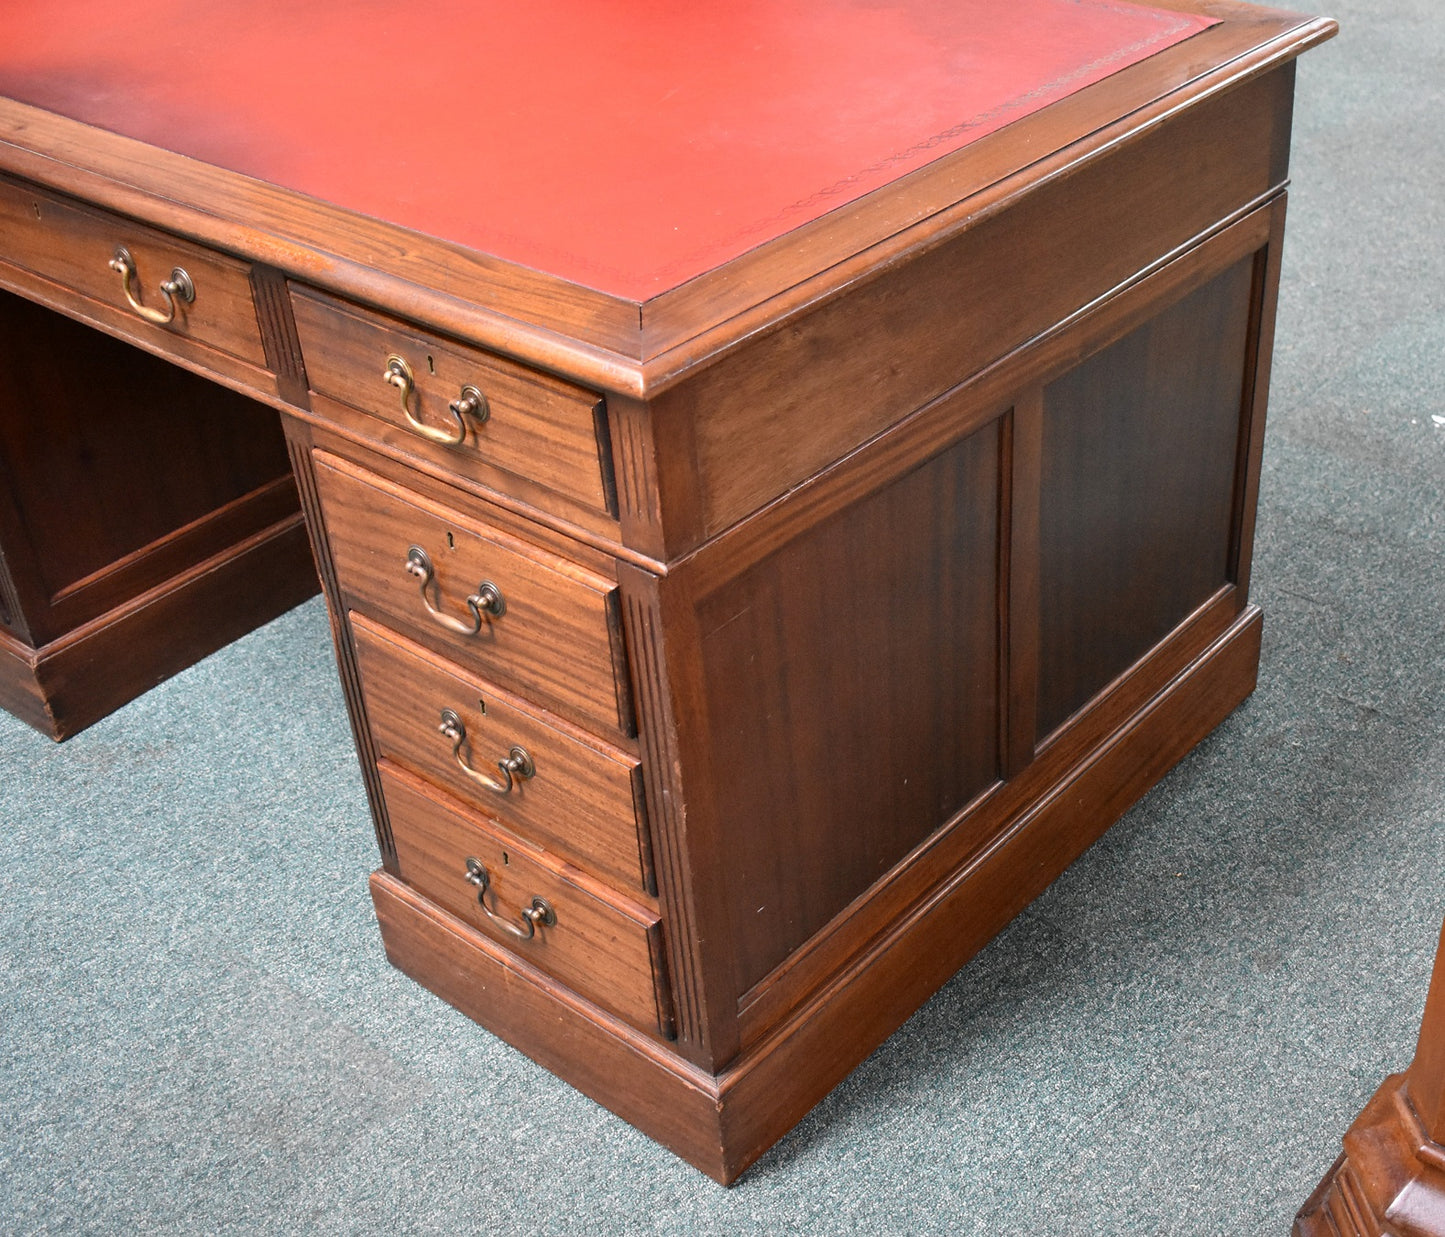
(506, 862)
(451, 542)
(481, 704)
(35, 206)
(431, 366)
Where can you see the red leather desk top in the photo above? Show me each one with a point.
(626, 145)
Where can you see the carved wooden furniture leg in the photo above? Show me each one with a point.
(1391, 1177)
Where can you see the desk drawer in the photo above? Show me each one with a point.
(532, 427)
(581, 797)
(603, 946)
(551, 630)
(74, 246)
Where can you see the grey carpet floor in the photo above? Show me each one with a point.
(199, 1033)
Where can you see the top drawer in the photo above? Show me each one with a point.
(76, 246)
(463, 407)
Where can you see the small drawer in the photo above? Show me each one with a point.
(460, 406)
(566, 791)
(80, 248)
(524, 618)
(604, 947)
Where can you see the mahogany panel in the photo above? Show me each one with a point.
(94, 509)
(1139, 457)
(933, 429)
(581, 799)
(852, 696)
(769, 1090)
(977, 828)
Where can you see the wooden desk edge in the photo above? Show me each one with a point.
(614, 344)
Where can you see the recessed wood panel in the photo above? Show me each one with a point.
(1140, 449)
(109, 455)
(852, 688)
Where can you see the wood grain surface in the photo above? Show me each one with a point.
(1140, 455)
(536, 427)
(554, 638)
(600, 943)
(583, 800)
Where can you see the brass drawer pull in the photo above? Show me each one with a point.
(470, 403)
(177, 288)
(516, 763)
(488, 596)
(540, 912)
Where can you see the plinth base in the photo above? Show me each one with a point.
(1389, 1181)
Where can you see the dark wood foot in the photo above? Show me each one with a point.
(1391, 1178)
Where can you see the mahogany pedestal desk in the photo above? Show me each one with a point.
(783, 478)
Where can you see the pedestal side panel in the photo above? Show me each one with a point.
(852, 689)
(1141, 444)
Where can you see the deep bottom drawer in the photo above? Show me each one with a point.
(596, 942)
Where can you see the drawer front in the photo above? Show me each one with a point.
(605, 948)
(524, 423)
(568, 793)
(545, 627)
(75, 246)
